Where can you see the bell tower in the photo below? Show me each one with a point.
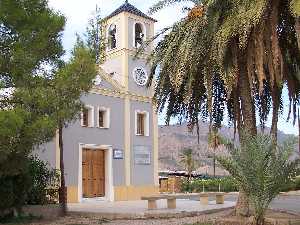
(126, 29)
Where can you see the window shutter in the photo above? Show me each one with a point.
(101, 118)
(85, 117)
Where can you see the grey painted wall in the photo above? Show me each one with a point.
(131, 26)
(133, 87)
(75, 134)
(141, 174)
(47, 153)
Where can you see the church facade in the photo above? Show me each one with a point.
(111, 153)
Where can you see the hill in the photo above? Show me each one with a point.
(174, 138)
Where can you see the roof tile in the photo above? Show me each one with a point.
(127, 7)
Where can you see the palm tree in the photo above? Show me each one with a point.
(234, 55)
(261, 169)
(187, 160)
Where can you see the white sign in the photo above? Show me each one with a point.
(118, 154)
(142, 155)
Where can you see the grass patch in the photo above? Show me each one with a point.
(22, 219)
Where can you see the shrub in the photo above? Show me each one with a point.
(15, 183)
(26, 186)
(291, 185)
(297, 183)
(42, 178)
(226, 184)
(13, 191)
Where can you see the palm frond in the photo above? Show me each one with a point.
(261, 168)
(165, 3)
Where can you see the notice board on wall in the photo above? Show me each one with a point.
(142, 155)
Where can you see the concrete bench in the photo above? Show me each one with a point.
(171, 198)
(171, 201)
(204, 197)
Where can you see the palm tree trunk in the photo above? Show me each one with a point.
(189, 179)
(246, 124)
(299, 129)
(274, 128)
(297, 28)
(62, 190)
(214, 163)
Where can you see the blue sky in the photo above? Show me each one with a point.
(78, 13)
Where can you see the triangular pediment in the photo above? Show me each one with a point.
(107, 82)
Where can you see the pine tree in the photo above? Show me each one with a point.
(30, 39)
(70, 83)
(43, 92)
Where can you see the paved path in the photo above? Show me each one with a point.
(289, 203)
(139, 209)
(283, 202)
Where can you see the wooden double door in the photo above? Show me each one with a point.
(93, 173)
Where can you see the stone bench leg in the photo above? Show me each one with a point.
(152, 204)
(171, 203)
(204, 200)
(220, 199)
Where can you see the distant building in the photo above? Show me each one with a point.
(111, 153)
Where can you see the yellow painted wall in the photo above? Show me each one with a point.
(72, 194)
(129, 193)
(121, 193)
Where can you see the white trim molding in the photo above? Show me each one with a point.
(108, 47)
(146, 122)
(91, 115)
(106, 117)
(109, 190)
(144, 32)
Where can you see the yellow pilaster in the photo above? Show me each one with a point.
(72, 194)
(124, 46)
(127, 141)
(152, 35)
(155, 146)
(125, 74)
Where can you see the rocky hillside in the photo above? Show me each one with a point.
(172, 139)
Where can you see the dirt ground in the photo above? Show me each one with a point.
(220, 218)
(272, 218)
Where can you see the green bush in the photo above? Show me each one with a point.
(226, 184)
(292, 185)
(15, 182)
(297, 183)
(27, 185)
(42, 177)
(13, 191)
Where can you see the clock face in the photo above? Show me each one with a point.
(140, 76)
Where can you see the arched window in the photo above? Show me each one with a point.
(139, 34)
(112, 41)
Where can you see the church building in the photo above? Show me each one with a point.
(111, 153)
